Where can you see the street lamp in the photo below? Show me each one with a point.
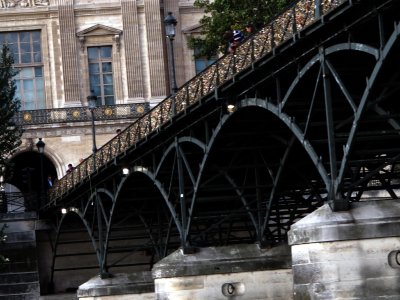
(3, 202)
(40, 146)
(92, 102)
(170, 24)
(2, 175)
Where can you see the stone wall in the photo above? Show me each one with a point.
(349, 254)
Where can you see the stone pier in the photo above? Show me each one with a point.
(344, 255)
(232, 272)
(348, 255)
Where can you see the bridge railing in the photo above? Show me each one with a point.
(299, 15)
(80, 114)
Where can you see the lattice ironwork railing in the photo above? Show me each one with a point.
(295, 18)
(16, 202)
(80, 114)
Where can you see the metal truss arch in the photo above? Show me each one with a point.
(152, 177)
(92, 198)
(142, 177)
(386, 51)
(294, 128)
(173, 146)
(296, 134)
(207, 150)
(328, 51)
(69, 212)
(208, 166)
(251, 165)
(101, 211)
(332, 95)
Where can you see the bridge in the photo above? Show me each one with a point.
(304, 114)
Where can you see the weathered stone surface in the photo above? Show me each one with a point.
(244, 271)
(260, 285)
(372, 219)
(139, 283)
(344, 255)
(221, 260)
(19, 277)
(6, 217)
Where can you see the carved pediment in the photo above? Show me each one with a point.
(99, 29)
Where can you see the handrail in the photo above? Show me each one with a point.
(299, 15)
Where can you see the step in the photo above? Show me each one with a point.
(20, 237)
(13, 217)
(20, 288)
(9, 278)
(18, 247)
(19, 226)
(19, 253)
(20, 297)
(18, 267)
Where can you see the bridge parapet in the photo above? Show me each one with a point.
(281, 29)
(79, 114)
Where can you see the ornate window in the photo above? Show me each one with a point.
(26, 49)
(101, 73)
(100, 59)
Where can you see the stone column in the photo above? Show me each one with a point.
(131, 36)
(69, 52)
(156, 59)
(232, 272)
(348, 255)
(118, 84)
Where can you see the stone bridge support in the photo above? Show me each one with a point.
(134, 286)
(348, 255)
(231, 272)
(238, 272)
(351, 254)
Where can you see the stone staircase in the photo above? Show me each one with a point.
(19, 278)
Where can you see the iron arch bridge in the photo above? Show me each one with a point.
(315, 119)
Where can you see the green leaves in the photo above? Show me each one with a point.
(222, 15)
(10, 134)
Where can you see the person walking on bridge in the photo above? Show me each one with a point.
(234, 38)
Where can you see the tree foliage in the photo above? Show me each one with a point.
(10, 133)
(222, 15)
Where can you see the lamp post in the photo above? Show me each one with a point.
(40, 146)
(170, 24)
(92, 102)
(3, 202)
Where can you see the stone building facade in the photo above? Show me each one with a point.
(66, 48)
